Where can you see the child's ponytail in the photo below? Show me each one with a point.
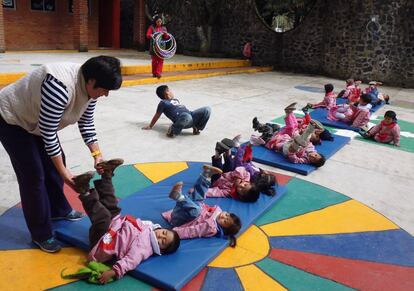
(232, 241)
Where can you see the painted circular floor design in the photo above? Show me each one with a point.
(313, 238)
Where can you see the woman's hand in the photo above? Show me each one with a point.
(104, 278)
(147, 127)
(97, 160)
(67, 177)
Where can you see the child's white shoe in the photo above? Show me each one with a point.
(256, 140)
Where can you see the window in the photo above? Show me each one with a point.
(70, 7)
(8, 4)
(43, 5)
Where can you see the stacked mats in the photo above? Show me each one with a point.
(173, 271)
(268, 157)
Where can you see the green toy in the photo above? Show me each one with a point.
(91, 272)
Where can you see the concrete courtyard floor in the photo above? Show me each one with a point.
(378, 176)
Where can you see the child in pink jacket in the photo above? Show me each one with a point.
(328, 101)
(127, 238)
(355, 116)
(352, 91)
(387, 131)
(192, 218)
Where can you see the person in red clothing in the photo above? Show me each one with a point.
(153, 29)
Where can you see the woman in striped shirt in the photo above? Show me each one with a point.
(32, 110)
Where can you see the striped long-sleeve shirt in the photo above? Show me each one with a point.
(54, 99)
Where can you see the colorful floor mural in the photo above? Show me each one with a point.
(312, 239)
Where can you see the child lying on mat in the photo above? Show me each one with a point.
(293, 126)
(387, 131)
(356, 116)
(127, 238)
(192, 218)
(376, 96)
(328, 101)
(352, 92)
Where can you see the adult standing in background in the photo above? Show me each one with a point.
(32, 110)
(157, 62)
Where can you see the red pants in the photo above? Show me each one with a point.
(157, 64)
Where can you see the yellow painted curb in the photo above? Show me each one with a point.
(6, 79)
(145, 69)
(146, 81)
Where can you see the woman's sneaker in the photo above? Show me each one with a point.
(71, 216)
(50, 246)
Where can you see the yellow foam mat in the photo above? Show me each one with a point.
(159, 171)
(36, 270)
(252, 246)
(347, 217)
(252, 278)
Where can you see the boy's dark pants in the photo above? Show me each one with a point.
(101, 205)
(228, 166)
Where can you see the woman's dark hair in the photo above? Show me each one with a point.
(265, 183)
(391, 114)
(160, 91)
(174, 245)
(252, 195)
(366, 98)
(320, 162)
(329, 88)
(233, 229)
(105, 70)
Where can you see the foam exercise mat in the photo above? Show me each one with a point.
(268, 157)
(173, 271)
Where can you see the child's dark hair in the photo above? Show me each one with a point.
(155, 18)
(391, 114)
(174, 245)
(160, 91)
(319, 163)
(252, 195)
(329, 88)
(265, 182)
(105, 70)
(233, 229)
(365, 98)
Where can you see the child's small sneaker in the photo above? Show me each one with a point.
(221, 147)
(306, 108)
(256, 123)
(71, 216)
(316, 124)
(109, 166)
(236, 140)
(387, 99)
(209, 171)
(228, 142)
(170, 132)
(291, 107)
(196, 131)
(82, 182)
(50, 246)
(176, 191)
(256, 140)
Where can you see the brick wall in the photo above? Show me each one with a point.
(27, 29)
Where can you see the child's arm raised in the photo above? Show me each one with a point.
(153, 121)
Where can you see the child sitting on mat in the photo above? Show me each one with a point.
(229, 183)
(356, 116)
(328, 101)
(192, 218)
(127, 238)
(387, 131)
(352, 92)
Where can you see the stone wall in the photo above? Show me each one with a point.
(337, 39)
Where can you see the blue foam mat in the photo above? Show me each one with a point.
(321, 115)
(175, 270)
(373, 109)
(268, 157)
